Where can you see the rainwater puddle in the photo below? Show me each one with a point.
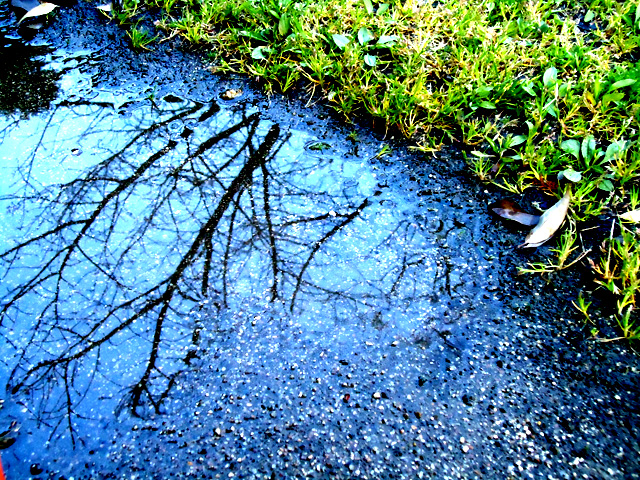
(147, 239)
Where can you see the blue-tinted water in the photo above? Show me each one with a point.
(135, 227)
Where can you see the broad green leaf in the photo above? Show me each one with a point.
(563, 89)
(483, 91)
(341, 40)
(614, 149)
(370, 60)
(550, 77)
(254, 35)
(571, 175)
(517, 140)
(571, 146)
(382, 8)
(528, 87)
(364, 35)
(478, 154)
(589, 16)
(606, 185)
(369, 6)
(612, 97)
(588, 148)
(38, 11)
(486, 104)
(551, 109)
(622, 83)
(387, 40)
(258, 53)
(283, 25)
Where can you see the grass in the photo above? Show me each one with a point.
(140, 38)
(528, 89)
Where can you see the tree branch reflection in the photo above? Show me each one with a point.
(116, 267)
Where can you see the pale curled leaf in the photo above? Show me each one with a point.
(631, 216)
(38, 11)
(107, 7)
(549, 223)
(511, 211)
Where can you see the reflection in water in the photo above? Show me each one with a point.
(130, 235)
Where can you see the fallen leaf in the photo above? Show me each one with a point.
(107, 7)
(231, 94)
(38, 11)
(510, 210)
(549, 223)
(631, 216)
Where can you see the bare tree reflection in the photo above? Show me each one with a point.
(101, 285)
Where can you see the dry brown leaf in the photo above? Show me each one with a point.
(510, 210)
(549, 223)
(631, 216)
(38, 11)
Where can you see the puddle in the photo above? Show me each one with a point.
(139, 230)
(200, 287)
